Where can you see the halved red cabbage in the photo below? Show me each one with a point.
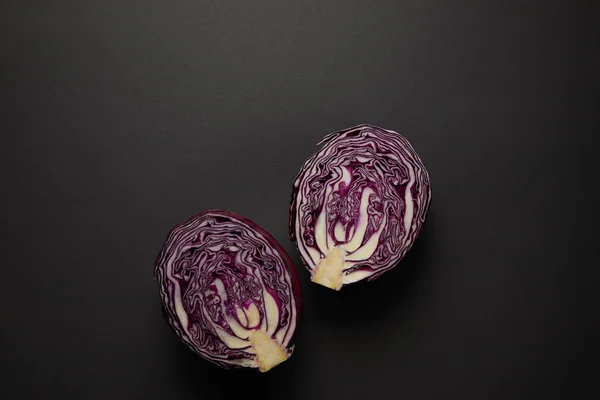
(358, 204)
(229, 290)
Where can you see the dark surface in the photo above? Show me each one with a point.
(121, 118)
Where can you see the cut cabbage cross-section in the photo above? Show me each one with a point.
(230, 291)
(358, 204)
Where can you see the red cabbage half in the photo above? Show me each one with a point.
(358, 204)
(229, 290)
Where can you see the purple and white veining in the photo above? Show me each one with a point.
(358, 204)
(230, 291)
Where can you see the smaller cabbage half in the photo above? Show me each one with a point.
(358, 205)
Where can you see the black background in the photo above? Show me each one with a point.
(121, 118)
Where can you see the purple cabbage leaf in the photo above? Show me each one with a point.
(229, 291)
(358, 205)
